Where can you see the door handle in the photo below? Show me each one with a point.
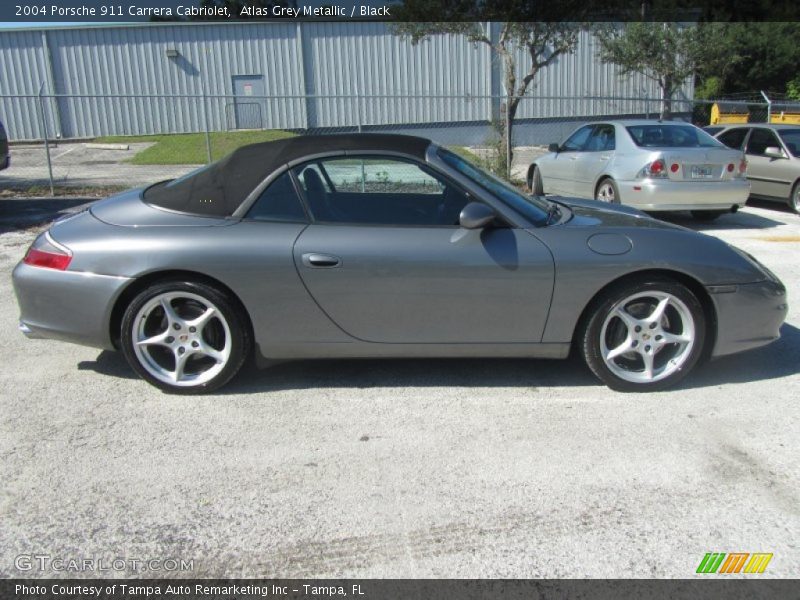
(319, 261)
(604, 158)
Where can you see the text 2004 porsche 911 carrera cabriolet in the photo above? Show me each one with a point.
(385, 246)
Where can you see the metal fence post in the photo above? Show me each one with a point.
(508, 138)
(205, 124)
(43, 127)
(358, 111)
(769, 106)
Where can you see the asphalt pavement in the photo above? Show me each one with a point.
(404, 468)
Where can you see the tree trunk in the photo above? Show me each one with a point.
(512, 103)
(666, 99)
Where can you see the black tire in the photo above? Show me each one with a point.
(607, 181)
(535, 183)
(240, 339)
(708, 215)
(590, 333)
(794, 199)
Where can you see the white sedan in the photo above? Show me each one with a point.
(651, 165)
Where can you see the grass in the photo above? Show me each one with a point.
(41, 190)
(190, 148)
(465, 153)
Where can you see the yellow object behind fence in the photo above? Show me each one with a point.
(787, 114)
(723, 113)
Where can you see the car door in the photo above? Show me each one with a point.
(386, 261)
(767, 174)
(558, 171)
(594, 159)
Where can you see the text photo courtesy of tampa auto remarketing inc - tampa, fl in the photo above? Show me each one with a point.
(405, 299)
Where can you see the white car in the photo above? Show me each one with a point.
(651, 165)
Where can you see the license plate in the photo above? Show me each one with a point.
(702, 171)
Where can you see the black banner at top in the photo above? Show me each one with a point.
(141, 11)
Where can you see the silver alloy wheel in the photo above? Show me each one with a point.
(796, 198)
(605, 193)
(181, 338)
(647, 337)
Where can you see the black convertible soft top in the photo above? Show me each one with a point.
(219, 189)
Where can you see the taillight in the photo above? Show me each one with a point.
(742, 167)
(656, 169)
(730, 168)
(674, 167)
(48, 254)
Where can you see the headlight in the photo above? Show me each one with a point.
(754, 262)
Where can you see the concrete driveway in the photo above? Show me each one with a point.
(404, 468)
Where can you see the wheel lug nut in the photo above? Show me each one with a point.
(177, 326)
(195, 344)
(170, 339)
(192, 329)
(635, 343)
(181, 350)
(658, 338)
(647, 348)
(637, 329)
(653, 325)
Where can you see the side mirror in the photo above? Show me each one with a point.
(553, 148)
(773, 152)
(476, 215)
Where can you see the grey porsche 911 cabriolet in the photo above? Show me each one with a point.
(385, 246)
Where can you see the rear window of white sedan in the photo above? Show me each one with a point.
(663, 135)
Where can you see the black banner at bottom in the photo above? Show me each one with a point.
(389, 589)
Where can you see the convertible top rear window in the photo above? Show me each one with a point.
(668, 135)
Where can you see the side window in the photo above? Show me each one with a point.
(577, 140)
(602, 139)
(734, 138)
(279, 202)
(760, 140)
(379, 191)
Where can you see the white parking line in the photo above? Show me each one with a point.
(63, 153)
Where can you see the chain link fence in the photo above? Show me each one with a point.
(98, 144)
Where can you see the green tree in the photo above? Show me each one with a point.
(543, 43)
(667, 53)
(769, 56)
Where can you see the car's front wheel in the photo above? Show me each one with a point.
(184, 337)
(535, 183)
(643, 335)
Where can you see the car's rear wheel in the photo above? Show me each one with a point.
(607, 191)
(794, 199)
(184, 337)
(643, 335)
(707, 215)
(535, 182)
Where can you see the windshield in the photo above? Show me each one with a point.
(535, 209)
(663, 135)
(791, 137)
